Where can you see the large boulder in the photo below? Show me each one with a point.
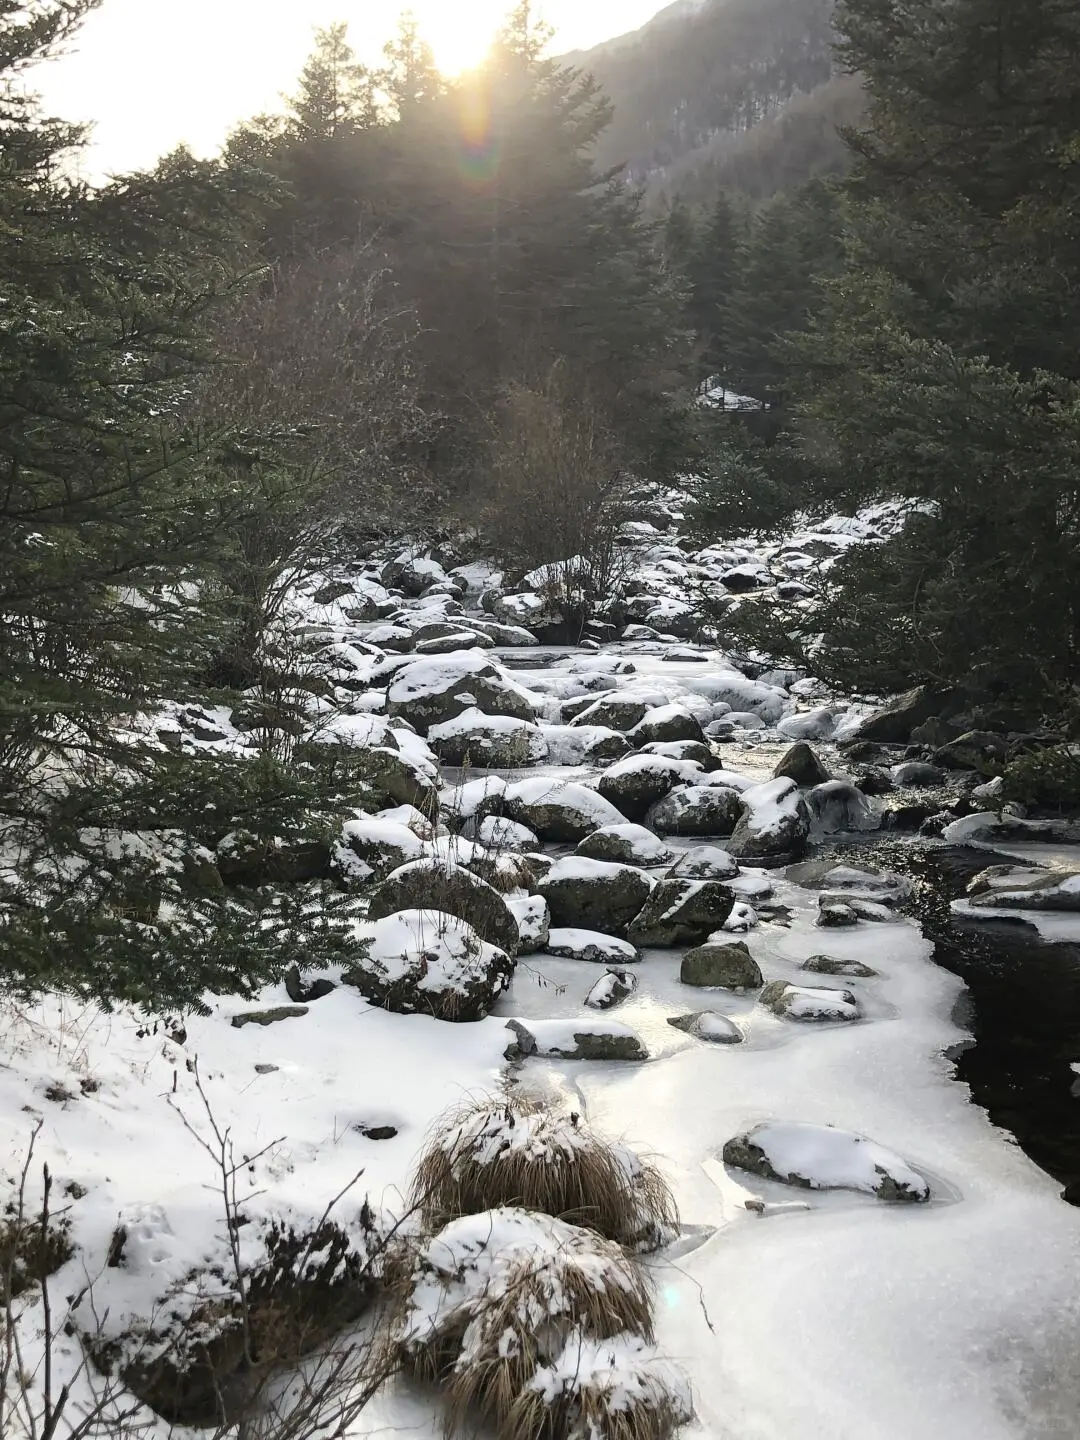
(696, 810)
(447, 886)
(1025, 887)
(627, 845)
(380, 845)
(635, 784)
(431, 691)
(396, 778)
(817, 1157)
(667, 722)
(726, 967)
(559, 810)
(698, 751)
(533, 921)
(979, 750)
(894, 722)
(613, 711)
(492, 741)
(704, 862)
(594, 894)
(774, 825)
(681, 912)
(430, 963)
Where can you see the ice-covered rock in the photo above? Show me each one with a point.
(447, 886)
(1025, 887)
(817, 1157)
(708, 1025)
(431, 691)
(635, 784)
(611, 990)
(499, 741)
(613, 711)
(427, 962)
(533, 922)
(579, 1039)
(382, 845)
(832, 965)
(594, 894)
(667, 722)
(816, 724)
(838, 806)
(704, 862)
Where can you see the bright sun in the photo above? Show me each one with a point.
(461, 33)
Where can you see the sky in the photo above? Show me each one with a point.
(153, 73)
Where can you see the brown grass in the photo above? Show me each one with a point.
(588, 1412)
(496, 1152)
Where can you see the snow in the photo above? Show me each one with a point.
(768, 807)
(542, 790)
(580, 867)
(432, 950)
(560, 1037)
(579, 944)
(828, 1159)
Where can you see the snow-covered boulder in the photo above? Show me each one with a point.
(704, 862)
(817, 1157)
(474, 801)
(697, 751)
(833, 965)
(862, 881)
(572, 943)
(1025, 887)
(626, 844)
(767, 702)
(381, 845)
(800, 1002)
(614, 711)
(575, 1039)
(696, 810)
(724, 967)
(499, 833)
(431, 691)
(818, 724)
(559, 810)
(594, 894)
(774, 825)
(497, 741)
(578, 744)
(412, 573)
(447, 886)
(431, 963)
(611, 989)
(681, 912)
(635, 784)
(666, 722)
(533, 921)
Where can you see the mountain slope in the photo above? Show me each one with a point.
(703, 73)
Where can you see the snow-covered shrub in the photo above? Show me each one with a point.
(496, 1152)
(494, 1300)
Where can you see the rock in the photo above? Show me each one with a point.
(830, 965)
(245, 859)
(698, 752)
(393, 778)
(635, 784)
(448, 887)
(979, 750)
(894, 722)
(708, 1025)
(741, 578)
(331, 591)
(816, 724)
(533, 921)
(268, 1017)
(625, 844)
(559, 810)
(497, 832)
(493, 741)
(696, 810)
(817, 1157)
(885, 886)
(431, 963)
(575, 1040)
(727, 967)
(774, 825)
(433, 690)
(668, 722)
(858, 905)
(611, 990)
(840, 806)
(505, 635)
(591, 947)
(681, 912)
(914, 773)
(612, 712)
(801, 765)
(594, 894)
(376, 1132)
(835, 915)
(798, 1002)
(704, 862)
(412, 573)
(1024, 887)
(302, 994)
(382, 845)
(577, 745)
(873, 780)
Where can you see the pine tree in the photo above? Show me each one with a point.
(336, 94)
(713, 273)
(411, 77)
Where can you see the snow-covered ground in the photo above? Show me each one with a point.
(794, 1311)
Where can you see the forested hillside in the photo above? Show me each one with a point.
(700, 95)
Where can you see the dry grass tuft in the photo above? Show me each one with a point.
(496, 1297)
(497, 1152)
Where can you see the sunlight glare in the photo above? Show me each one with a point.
(460, 34)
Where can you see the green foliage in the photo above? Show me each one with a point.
(1047, 779)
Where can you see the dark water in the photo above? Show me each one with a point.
(1022, 1007)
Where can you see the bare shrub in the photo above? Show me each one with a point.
(515, 1151)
